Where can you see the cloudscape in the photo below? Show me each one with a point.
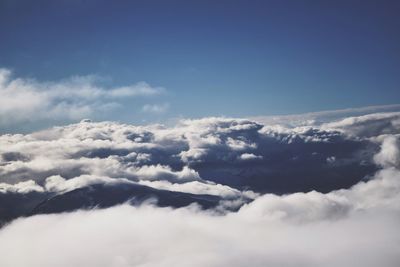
(199, 133)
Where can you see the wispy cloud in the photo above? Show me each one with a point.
(71, 99)
(156, 108)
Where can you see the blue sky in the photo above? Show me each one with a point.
(231, 58)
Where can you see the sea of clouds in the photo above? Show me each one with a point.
(306, 193)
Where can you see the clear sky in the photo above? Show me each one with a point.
(232, 58)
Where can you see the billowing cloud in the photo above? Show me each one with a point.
(207, 192)
(314, 229)
(237, 153)
(21, 187)
(367, 125)
(389, 156)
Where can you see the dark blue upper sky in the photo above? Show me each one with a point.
(233, 58)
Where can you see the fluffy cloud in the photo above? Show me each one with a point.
(236, 153)
(389, 156)
(21, 187)
(367, 125)
(149, 236)
(70, 99)
(56, 183)
(249, 156)
(346, 215)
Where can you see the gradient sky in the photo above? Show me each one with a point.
(232, 58)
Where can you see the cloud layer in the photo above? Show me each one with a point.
(237, 153)
(321, 194)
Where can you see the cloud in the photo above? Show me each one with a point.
(156, 108)
(233, 159)
(249, 156)
(149, 236)
(56, 183)
(197, 187)
(69, 99)
(237, 153)
(389, 156)
(21, 187)
(346, 213)
(367, 125)
(320, 117)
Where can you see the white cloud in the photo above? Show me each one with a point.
(74, 98)
(148, 236)
(348, 227)
(160, 172)
(56, 183)
(345, 227)
(331, 159)
(367, 125)
(196, 187)
(389, 155)
(156, 108)
(175, 154)
(139, 89)
(320, 117)
(237, 144)
(249, 156)
(21, 187)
